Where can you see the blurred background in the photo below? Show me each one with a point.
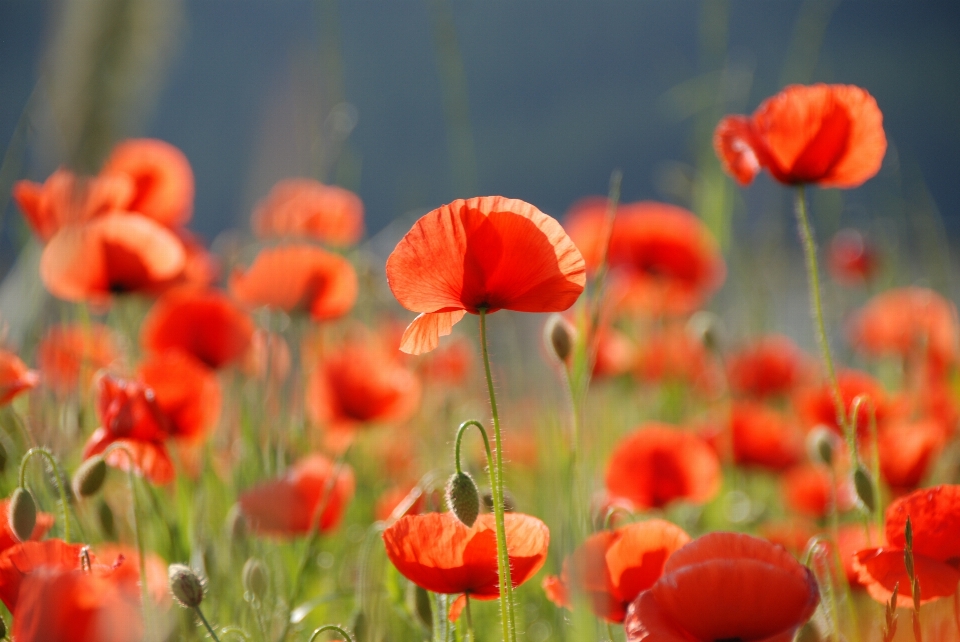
(413, 103)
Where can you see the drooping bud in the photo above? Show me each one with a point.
(822, 445)
(185, 585)
(89, 477)
(559, 336)
(508, 504)
(463, 498)
(107, 523)
(23, 513)
(255, 581)
(706, 328)
(863, 484)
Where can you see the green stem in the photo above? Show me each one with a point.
(469, 618)
(331, 627)
(813, 278)
(61, 487)
(236, 630)
(503, 559)
(312, 541)
(486, 445)
(205, 623)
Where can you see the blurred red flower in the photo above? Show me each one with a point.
(725, 586)
(830, 135)
(70, 355)
(162, 179)
(769, 366)
(764, 437)
(488, 253)
(287, 507)
(668, 261)
(298, 277)
(203, 323)
(15, 377)
(935, 517)
(20, 560)
(306, 208)
(436, 551)
(158, 582)
(674, 354)
(614, 567)
(658, 464)
(816, 407)
(850, 259)
(185, 390)
(908, 449)
(807, 490)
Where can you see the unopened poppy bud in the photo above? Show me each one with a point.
(89, 477)
(236, 525)
(822, 445)
(185, 585)
(107, 523)
(23, 513)
(559, 335)
(863, 484)
(706, 328)
(3, 457)
(463, 498)
(508, 504)
(255, 579)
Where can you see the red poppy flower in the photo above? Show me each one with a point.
(614, 567)
(204, 323)
(668, 260)
(20, 560)
(488, 253)
(908, 322)
(66, 198)
(357, 384)
(830, 135)
(72, 605)
(15, 377)
(437, 552)
(162, 179)
(70, 355)
(129, 414)
(770, 366)
(298, 277)
(158, 582)
(907, 451)
(287, 507)
(112, 254)
(935, 517)
(764, 437)
(816, 407)
(201, 268)
(851, 539)
(850, 259)
(615, 353)
(807, 491)
(674, 354)
(658, 464)
(450, 365)
(186, 392)
(304, 207)
(725, 586)
(267, 351)
(793, 534)
(8, 539)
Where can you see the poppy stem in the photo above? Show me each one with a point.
(486, 444)
(205, 623)
(61, 487)
(816, 309)
(331, 627)
(312, 541)
(469, 618)
(496, 470)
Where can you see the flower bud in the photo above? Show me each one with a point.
(463, 498)
(255, 581)
(559, 335)
(89, 477)
(822, 445)
(863, 484)
(185, 585)
(3, 459)
(706, 328)
(107, 523)
(508, 504)
(236, 526)
(23, 513)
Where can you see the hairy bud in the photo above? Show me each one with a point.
(559, 336)
(822, 445)
(463, 498)
(255, 580)
(23, 513)
(863, 484)
(185, 585)
(89, 477)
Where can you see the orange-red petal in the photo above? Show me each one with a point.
(306, 208)
(162, 179)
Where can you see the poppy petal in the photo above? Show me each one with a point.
(162, 178)
(736, 146)
(879, 570)
(423, 334)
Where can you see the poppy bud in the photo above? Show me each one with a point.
(236, 526)
(105, 513)
(508, 504)
(255, 579)
(3, 458)
(706, 328)
(23, 513)
(463, 498)
(559, 335)
(822, 445)
(863, 484)
(89, 477)
(185, 585)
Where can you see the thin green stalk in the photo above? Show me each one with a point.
(503, 559)
(472, 637)
(486, 445)
(816, 305)
(331, 627)
(61, 486)
(213, 634)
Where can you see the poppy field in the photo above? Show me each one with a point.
(509, 425)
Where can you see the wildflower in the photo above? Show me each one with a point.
(614, 567)
(673, 354)
(486, 253)
(186, 392)
(302, 207)
(908, 450)
(129, 570)
(7, 537)
(287, 507)
(850, 259)
(18, 561)
(658, 464)
(162, 179)
(15, 377)
(815, 406)
(830, 135)
(70, 355)
(725, 586)
(438, 553)
(770, 366)
(298, 277)
(203, 323)
(667, 260)
(764, 437)
(808, 490)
